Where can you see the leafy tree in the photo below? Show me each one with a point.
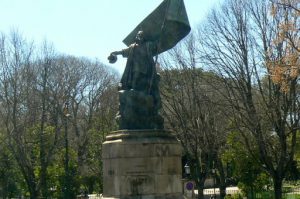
(10, 177)
(35, 87)
(244, 169)
(283, 58)
(236, 41)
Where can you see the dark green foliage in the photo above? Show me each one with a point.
(243, 167)
(10, 176)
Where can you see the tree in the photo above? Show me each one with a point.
(15, 58)
(35, 87)
(10, 177)
(77, 89)
(90, 98)
(243, 168)
(25, 106)
(45, 64)
(236, 41)
(191, 111)
(283, 58)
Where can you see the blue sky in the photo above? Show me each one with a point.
(89, 28)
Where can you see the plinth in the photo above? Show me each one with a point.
(141, 164)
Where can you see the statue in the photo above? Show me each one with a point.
(138, 90)
(142, 159)
(140, 68)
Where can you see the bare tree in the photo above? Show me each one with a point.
(15, 60)
(35, 86)
(85, 83)
(235, 43)
(191, 111)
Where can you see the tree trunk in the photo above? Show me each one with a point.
(200, 188)
(91, 185)
(200, 177)
(277, 187)
(222, 183)
(43, 174)
(43, 181)
(32, 190)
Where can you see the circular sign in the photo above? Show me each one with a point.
(189, 186)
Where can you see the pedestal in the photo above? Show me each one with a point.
(142, 164)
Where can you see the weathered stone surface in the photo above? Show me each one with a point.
(139, 108)
(165, 196)
(118, 150)
(142, 164)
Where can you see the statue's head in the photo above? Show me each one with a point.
(139, 37)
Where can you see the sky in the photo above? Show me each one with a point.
(86, 28)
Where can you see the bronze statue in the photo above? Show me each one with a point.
(139, 93)
(140, 67)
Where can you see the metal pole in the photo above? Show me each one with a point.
(67, 174)
(214, 182)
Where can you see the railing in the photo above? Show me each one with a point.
(229, 190)
(90, 196)
(293, 194)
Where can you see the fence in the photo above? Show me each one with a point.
(290, 193)
(229, 190)
(90, 196)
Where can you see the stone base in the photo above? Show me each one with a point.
(143, 164)
(166, 196)
(139, 110)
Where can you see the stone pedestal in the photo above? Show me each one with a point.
(142, 164)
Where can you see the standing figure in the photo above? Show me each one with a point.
(139, 93)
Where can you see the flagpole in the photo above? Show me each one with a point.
(158, 44)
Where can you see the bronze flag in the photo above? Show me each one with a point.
(167, 24)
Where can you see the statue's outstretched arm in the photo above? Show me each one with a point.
(116, 53)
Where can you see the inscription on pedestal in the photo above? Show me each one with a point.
(111, 172)
(139, 184)
(162, 150)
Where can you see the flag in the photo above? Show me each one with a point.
(167, 25)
